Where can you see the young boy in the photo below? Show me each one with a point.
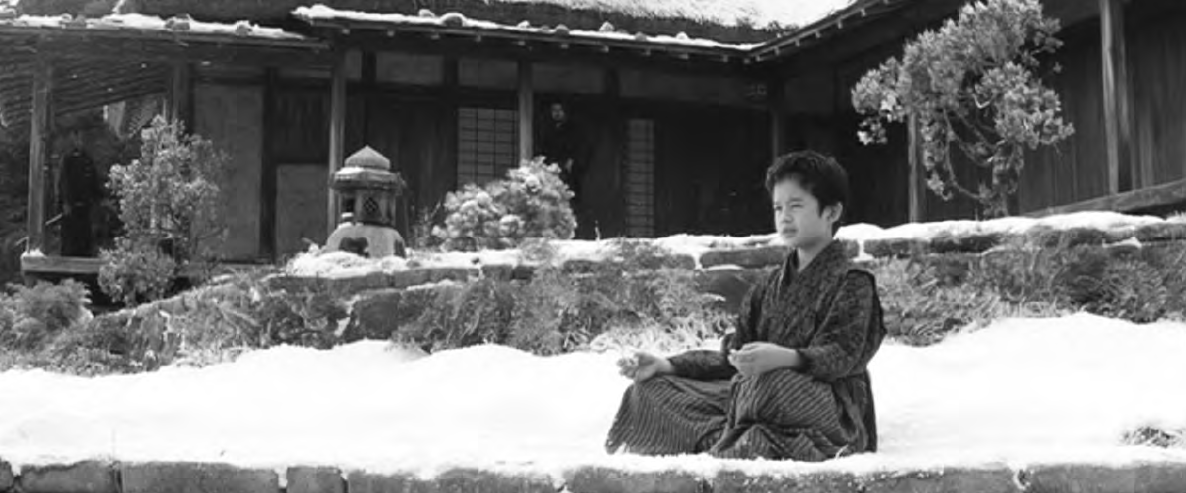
(791, 382)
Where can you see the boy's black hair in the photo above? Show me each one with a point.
(817, 173)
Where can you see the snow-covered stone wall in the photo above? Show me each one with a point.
(387, 291)
(715, 258)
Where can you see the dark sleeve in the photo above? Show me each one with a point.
(851, 332)
(714, 365)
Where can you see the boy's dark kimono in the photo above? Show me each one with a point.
(831, 313)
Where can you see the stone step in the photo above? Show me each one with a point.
(110, 477)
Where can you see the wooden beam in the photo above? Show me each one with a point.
(521, 39)
(526, 111)
(52, 264)
(39, 138)
(337, 132)
(468, 48)
(1117, 97)
(914, 153)
(1135, 200)
(122, 47)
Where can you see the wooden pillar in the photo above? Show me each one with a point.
(180, 84)
(916, 172)
(615, 222)
(526, 111)
(439, 180)
(776, 98)
(337, 133)
(267, 183)
(1117, 98)
(39, 137)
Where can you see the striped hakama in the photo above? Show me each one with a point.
(831, 314)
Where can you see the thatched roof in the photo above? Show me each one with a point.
(730, 21)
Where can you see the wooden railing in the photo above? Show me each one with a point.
(1155, 196)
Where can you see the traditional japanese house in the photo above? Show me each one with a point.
(681, 106)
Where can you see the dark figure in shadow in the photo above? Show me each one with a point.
(561, 142)
(82, 190)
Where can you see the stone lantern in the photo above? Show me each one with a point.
(367, 190)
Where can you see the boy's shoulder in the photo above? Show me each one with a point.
(860, 274)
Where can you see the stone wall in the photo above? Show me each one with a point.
(153, 477)
(383, 300)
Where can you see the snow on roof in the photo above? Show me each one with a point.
(325, 14)
(757, 13)
(144, 23)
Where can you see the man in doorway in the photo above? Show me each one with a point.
(81, 193)
(562, 144)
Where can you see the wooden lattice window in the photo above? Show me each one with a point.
(640, 178)
(487, 144)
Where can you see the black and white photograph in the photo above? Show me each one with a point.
(592, 246)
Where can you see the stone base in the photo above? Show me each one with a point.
(1157, 477)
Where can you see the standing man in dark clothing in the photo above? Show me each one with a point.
(81, 193)
(561, 144)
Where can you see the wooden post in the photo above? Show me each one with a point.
(337, 133)
(267, 184)
(39, 135)
(1117, 98)
(439, 180)
(776, 98)
(611, 86)
(179, 93)
(526, 111)
(916, 165)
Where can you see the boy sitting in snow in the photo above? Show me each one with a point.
(791, 382)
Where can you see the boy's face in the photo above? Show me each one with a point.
(797, 215)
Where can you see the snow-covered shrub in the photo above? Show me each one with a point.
(207, 325)
(30, 316)
(462, 315)
(170, 204)
(1142, 286)
(311, 317)
(558, 311)
(531, 202)
(924, 300)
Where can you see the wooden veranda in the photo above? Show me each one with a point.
(51, 70)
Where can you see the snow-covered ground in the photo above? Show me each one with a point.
(1018, 392)
(340, 264)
